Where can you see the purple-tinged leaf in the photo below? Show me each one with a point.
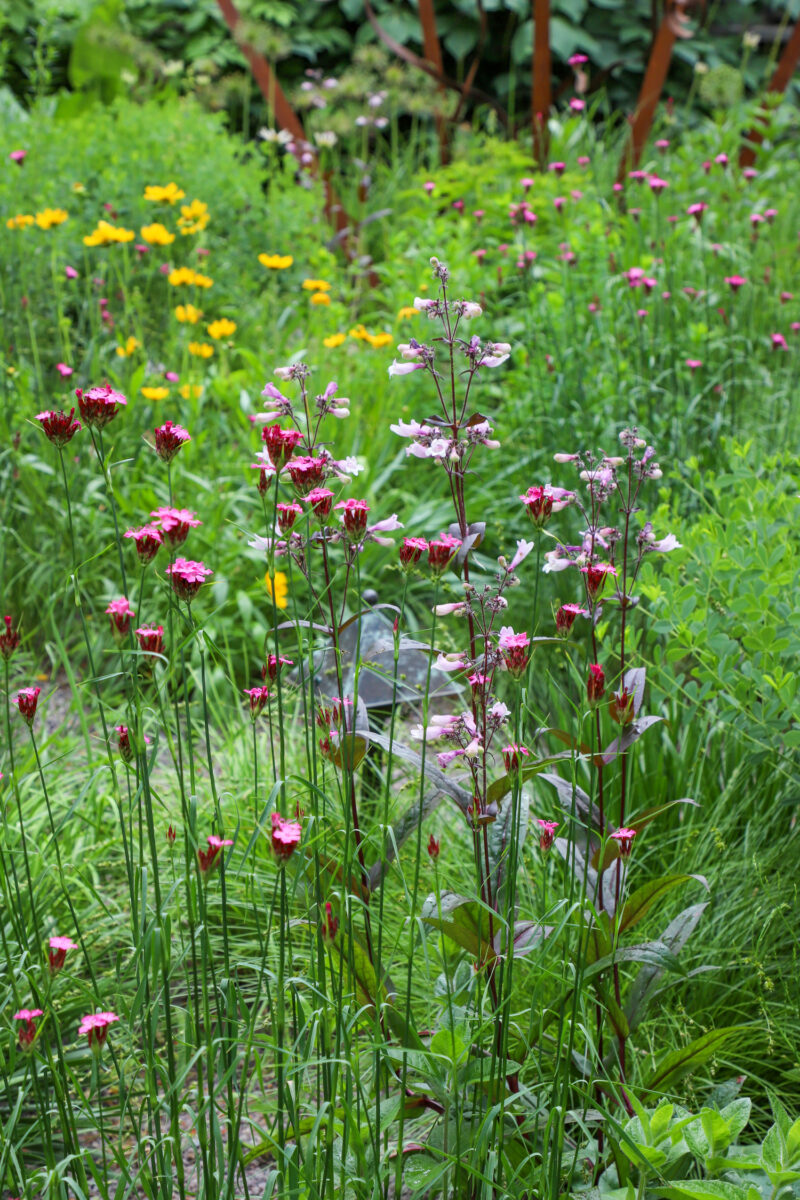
(630, 735)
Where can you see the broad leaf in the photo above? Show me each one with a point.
(701, 1189)
(654, 954)
(641, 901)
(500, 836)
(675, 936)
(688, 1058)
(631, 734)
(464, 921)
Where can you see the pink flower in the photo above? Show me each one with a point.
(779, 342)
(411, 551)
(770, 214)
(577, 60)
(694, 364)
(64, 371)
(697, 210)
(99, 405)
(595, 684)
(558, 167)
(354, 518)
(59, 427)
(433, 848)
(286, 837)
(27, 1030)
(641, 313)
(515, 648)
(274, 665)
(188, 577)
(639, 176)
(287, 515)
(584, 160)
(620, 707)
(26, 701)
(657, 186)
(208, 859)
(527, 183)
(18, 156)
(662, 144)
(172, 376)
(596, 577)
(280, 444)
(95, 1025)
(175, 523)
(329, 927)
(441, 551)
(734, 282)
(169, 439)
(547, 833)
(321, 501)
(9, 639)
(721, 160)
(258, 697)
(70, 273)
(429, 187)
(512, 757)
(558, 203)
(120, 613)
(458, 205)
(750, 173)
(307, 473)
(577, 105)
(624, 839)
(565, 618)
(785, 297)
(58, 952)
(147, 540)
(151, 639)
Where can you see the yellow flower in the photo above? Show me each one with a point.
(406, 312)
(106, 233)
(201, 349)
(157, 234)
(359, 333)
(276, 262)
(316, 285)
(221, 329)
(334, 340)
(379, 339)
(277, 588)
(179, 275)
(194, 217)
(190, 390)
(20, 221)
(320, 298)
(188, 313)
(127, 350)
(78, 187)
(49, 217)
(155, 393)
(202, 281)
(161, 195)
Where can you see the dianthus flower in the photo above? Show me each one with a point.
(26, 701)
(321, 501)
(147, 539)
(258, 698)
(175, 523)
(287, 515)
(26, 1034)
(624, 839)
(119, 614)
(547, 833)
(596, 577)
(207, 859)
(595, 684)
(95, 1025)
(411, 551)
(98, 406)
(515, 649)
(307, 473)
(621, 706)
(169, 439)
(734, 282)
(58, 952)
(280, 444)
(565, 618)
(286, 837)
(274, 665)
(354, 518)
(9, 638)
(433, 848)
(329, 926)
(59, 427)
(187, 578)
(441, 551)
(151, 639)
(512, 757)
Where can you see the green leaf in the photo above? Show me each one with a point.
(689, 1058)
(464, 921)
(358, 968)
(641, 901)
(654, 954)
(701, 1189)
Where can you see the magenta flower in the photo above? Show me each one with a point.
(287, 515)
(9, 639)
(258, 698)
(595, 684)
(280, 444)
(750, 173)
(558, 167)
(147, 540)
(624, 839)
(58, 952)
(565, 618)
(657, 186)
(95, 1026)
(169, 439)
(558, 203)
(18, 156)
(620, 707)
(721, 160)
(171, 836)
(429, 187)
(321, 501)
(694, 364)
(541, 502)
(64, 371)
(172, 376)
(187, 578)
(411, 551)
(119, 614)
(596, 577)
(441, 551)
(307, 473)
(785, 297)
(433, 848)
(59, 427)
(638, 176)
(27, 1030)
(515, 649)
(175, 523)
(99, 405)
(662, 144)
(512, 757)
(547, 833)
(274, 665)
(354, 517)
(151, 639)
(286, 837)
(70, 273)
(577, 105)
(208, 859)
(697, 210)
(779, 342)
(26, 701)
(584, 160)
(734, 282)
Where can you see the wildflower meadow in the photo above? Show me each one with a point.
(399, 606)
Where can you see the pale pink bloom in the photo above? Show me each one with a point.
(449, 663)
(721, 160)
(523, 550)
(70, 273)
(624, 839)
(584, 160)
(454, 609)
(64, 371)
(577, 105)
(405, 368)
(18, 156)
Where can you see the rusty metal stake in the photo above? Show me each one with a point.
(787, 65)
(540, 81)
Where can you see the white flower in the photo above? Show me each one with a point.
(405, 368)
(523, 550)
(421, 305)
(469, 309)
